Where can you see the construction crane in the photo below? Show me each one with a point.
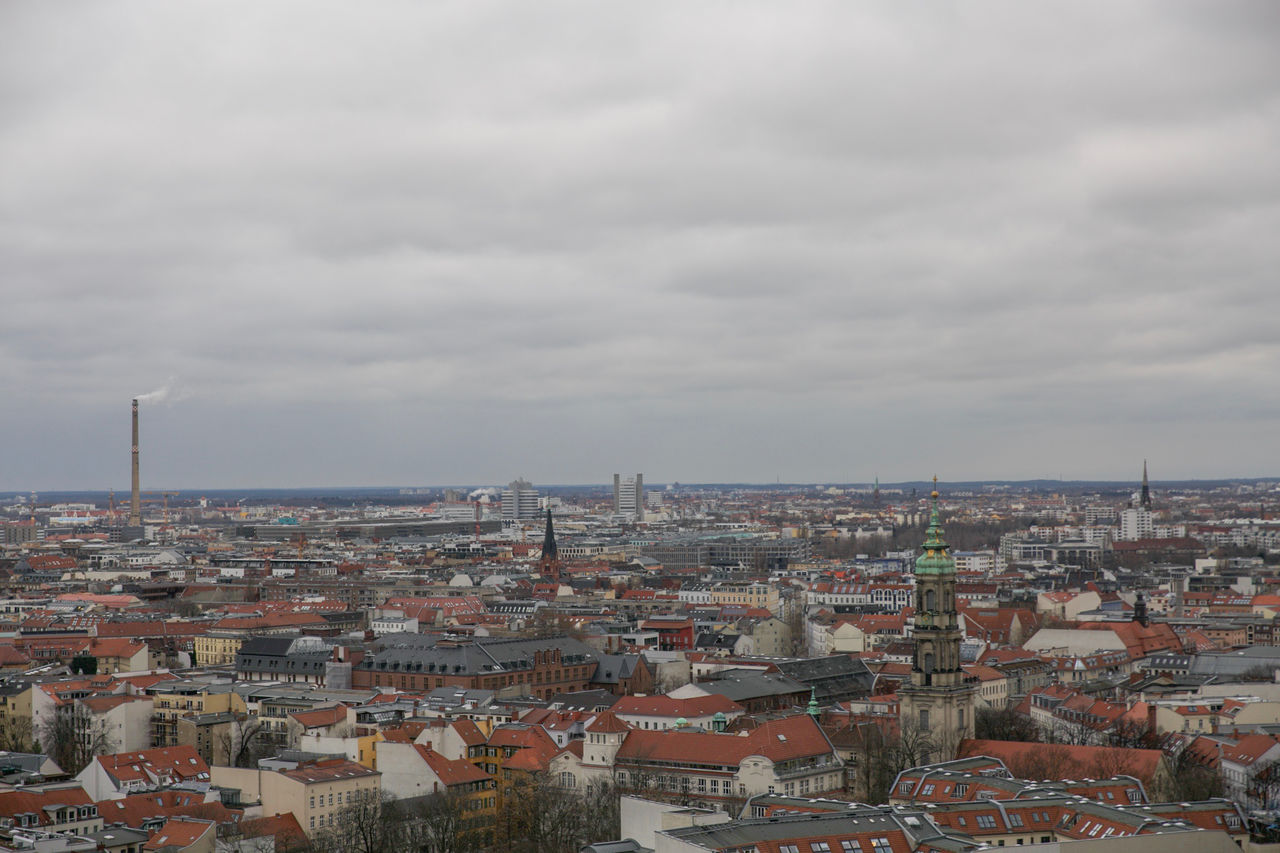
(163, 499)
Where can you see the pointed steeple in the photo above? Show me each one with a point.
(549, 540)
(550, 563)
(813, 710)
(1146, 487)
(936, 559)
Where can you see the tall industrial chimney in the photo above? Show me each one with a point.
(135, 499)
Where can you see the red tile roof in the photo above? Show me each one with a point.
(166, 765)
(328, 771)
(283, 827)
(321, 717)
(179, 832)
(451, 771)
(1035, 760)
(21, 801)
(136, 809)
(796, 736)
(665, 706)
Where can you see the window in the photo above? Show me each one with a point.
(1133, 795)
(926, 790)
(986, 821)
(788, 848)
(960, 820)
(962, 788)
(881, 845)
(924, 719)
(850, 847)
(820, 847)
(904, 788)
(1015, 820)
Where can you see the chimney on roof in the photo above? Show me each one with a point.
(135, 497)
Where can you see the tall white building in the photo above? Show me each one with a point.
(519, 501)
(1135, 524)
(628, 496)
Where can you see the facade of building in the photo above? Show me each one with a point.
(540, 667)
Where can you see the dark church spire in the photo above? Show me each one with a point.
(1146, 488)
(549, 540)
(550, 564)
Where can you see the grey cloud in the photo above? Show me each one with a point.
(731, 241)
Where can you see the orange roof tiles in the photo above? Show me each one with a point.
(328, 771)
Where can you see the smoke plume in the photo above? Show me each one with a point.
(169, 392)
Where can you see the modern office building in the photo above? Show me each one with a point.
(628, 496)
(519, 501)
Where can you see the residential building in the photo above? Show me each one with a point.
(314, 792)
(789, 755)
(114, 776)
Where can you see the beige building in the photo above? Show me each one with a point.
(746, 594)
(769, 637)
(15, 711)
(315, 792)
(173, 700)
(218, 647)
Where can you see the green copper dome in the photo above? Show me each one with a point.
(936, 559)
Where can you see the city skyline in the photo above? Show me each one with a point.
(737, 243)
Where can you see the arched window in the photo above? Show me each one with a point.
(930, 600)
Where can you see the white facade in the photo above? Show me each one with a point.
(628, 495)
(1135, 524)
(519, 501)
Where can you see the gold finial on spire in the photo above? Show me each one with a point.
(935, 487)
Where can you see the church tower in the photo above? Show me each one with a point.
(550, 565)
(1146, 487)
(938, 700)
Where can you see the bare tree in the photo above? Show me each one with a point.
(1191, 780)
(540, 817)
(436, 824)
(1005, 724)
(243, 742)
(360, 827)
(73, 737)
(16, 733)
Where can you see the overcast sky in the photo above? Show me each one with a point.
(422, 243)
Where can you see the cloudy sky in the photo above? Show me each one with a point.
(422, 243)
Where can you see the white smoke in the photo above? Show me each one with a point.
(169, 392)
(484, 496)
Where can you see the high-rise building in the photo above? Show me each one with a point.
(937, 704)
(1136, 523)
(519, 501)
(628, 496)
